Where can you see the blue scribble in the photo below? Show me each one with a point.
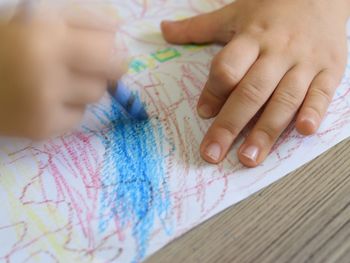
(135, 189)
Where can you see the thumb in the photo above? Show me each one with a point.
(201, 29)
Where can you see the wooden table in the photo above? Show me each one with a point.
(304, 217)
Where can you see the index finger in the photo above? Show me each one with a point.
(228, 68)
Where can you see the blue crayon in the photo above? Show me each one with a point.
(129, 101)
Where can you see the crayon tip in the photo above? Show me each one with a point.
(129, 101)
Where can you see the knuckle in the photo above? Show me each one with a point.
(268, 131)
(214, 93)
(222, 80)
(250, 92)
(291, 41)
(229, 126)
(290, 98)
(258, 27)
(223, 72)
(325, 92)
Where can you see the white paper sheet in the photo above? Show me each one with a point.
(117, 190)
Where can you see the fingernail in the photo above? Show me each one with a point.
(205, 111)
(213, 151)
(251, 152)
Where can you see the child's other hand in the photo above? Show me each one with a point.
(53, 64)
(287, 55)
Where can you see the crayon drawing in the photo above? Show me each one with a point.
(116, 189)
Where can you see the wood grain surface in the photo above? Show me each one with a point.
(304, 217)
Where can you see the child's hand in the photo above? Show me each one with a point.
(51, 66)
(289, 55)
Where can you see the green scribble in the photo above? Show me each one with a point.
(137, 65)
(166, 54)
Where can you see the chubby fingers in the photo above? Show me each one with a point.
(243, 103)
(277, 115)
(302, 86)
